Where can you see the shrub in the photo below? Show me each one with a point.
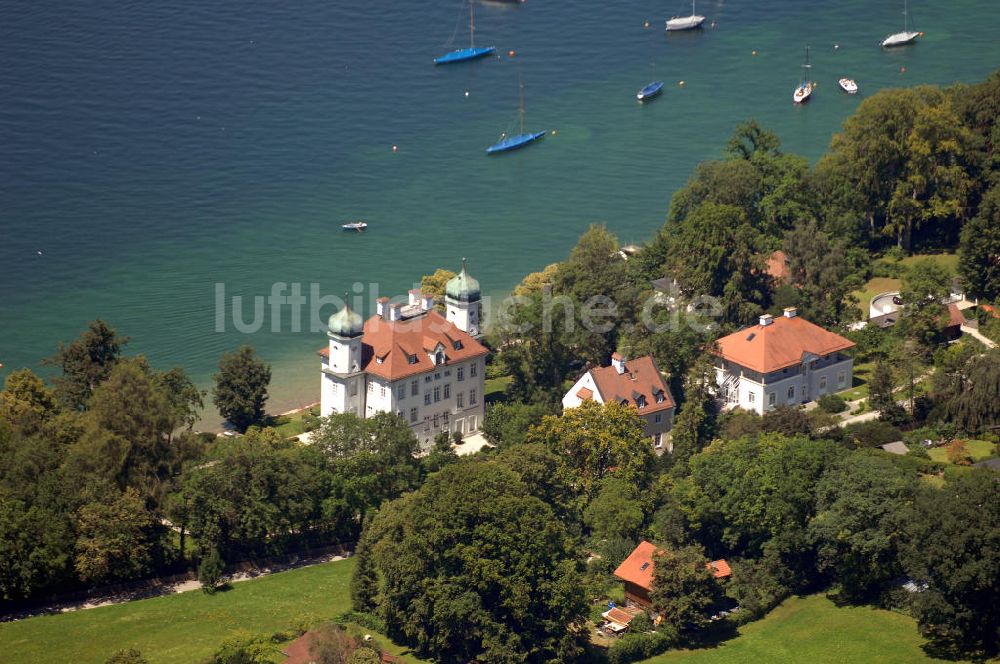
(637, 647)
(127, 656)
(366, 620)
(873, 434)
(832, 403)
(210, 571)
(641, 624)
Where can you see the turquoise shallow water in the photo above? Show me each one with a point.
(152, 150)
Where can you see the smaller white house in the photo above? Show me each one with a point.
(780, 362)
(636, 383)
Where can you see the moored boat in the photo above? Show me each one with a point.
(685, 22)
(650, 91)
(508, 143)
(805, 88)
(848, 85)
(907, 36)
(355, 226)
(473, 52)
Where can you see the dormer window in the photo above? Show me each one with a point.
(641, 402)
(458, 344)
(411, 359)
(439, 357)
(659, 397)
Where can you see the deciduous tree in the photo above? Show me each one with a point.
(241, 387)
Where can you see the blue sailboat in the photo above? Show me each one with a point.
(508, 143)
(473, 52)
(650, 91)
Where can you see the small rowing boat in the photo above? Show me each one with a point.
(848, 85)
(650, 91)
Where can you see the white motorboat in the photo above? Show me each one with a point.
(355, 226)
(848, 85)
(805, 87)
(907, 36)
(685, 22)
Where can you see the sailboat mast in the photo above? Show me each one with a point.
(692, 8)
(472, 24)
(520, 82)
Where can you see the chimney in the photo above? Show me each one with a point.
(380, 306)
(766, 319)
(426, 302)
(618, 362)
(415, 297)
(395, 311)
(791, 312)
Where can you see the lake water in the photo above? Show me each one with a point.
(150, 151)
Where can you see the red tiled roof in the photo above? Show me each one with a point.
(777, 266)
(620, 616)
(641, 377)
(955, 316)
(781, 344)
(585, 393)
(638, 567)
(720, 568)
(396, 341)
(993, 311)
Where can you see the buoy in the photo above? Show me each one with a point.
(511, 53)
(681, 84)
(394, 148)
(713, 24)
(646, 24)
(753, 52)
(466, 93)
(902, 70)
(921, 34)
(553, 132)
(836, 46)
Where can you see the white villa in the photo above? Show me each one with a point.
(634, 382)
(410, 360)
(781, 361)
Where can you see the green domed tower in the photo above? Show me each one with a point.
(345, 329)
(462, 300)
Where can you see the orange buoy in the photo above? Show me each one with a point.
(511, 53)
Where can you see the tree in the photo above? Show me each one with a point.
(750, 139)
(860, 502)
(615, 512)
(966, 391)
(434, 284)
(695, 424)
(594, 438)
(925, 285)
(507, 424)
(118, 538)
(497, 578)
(183, 397)
(241, 387)
(547, 477)
(979, 258)
(881, 397)
(534, 281)
(823, 275)
(683, 587)
(25, 401)
(953, 545)
(86, 362)
(210, 571)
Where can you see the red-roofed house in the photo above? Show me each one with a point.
(636, 383)
(720, 568)
(410, 360)
(781, 361)
(637, 573)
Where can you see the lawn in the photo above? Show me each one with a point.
(814, 630)
(977, 449)
(873, 288)
(496, 388)
(186, 627)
